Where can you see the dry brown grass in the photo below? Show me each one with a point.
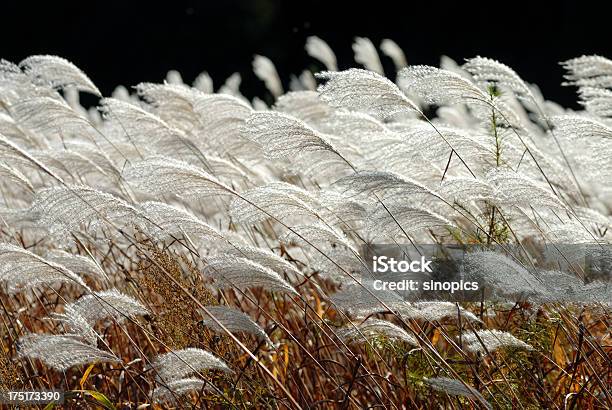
(568, 368)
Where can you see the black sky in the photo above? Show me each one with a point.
(129, 42)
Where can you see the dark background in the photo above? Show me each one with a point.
(129, 42)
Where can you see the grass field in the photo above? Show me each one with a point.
(176, 247)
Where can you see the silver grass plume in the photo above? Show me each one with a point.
(366, 55)
(61, 352)
(589, 71)
(362, 299)
(512, 188)
(441, 87)
(78, 167)
(575, 127)
(222, 116)
(277, 200)
(9, 150)
(319, 49)
(447, 63)
(121, 93)
(164, 220)
(486, 71)
(563, 285)
(146, 129)
(9, 174)
(62, 209)
(372, 328)
(162, 176)
(178, 364)
(367, 183)
(305, 105)
(258, 104)
(16, 85)
(350, 124)
(597, 101)
(231, 86)
(92, 158)
(456, 388)
(569, 232)
(405, 158)
(433, 311)
(226, 169)
(363, 90)
(107, 304)
(77, 325)
(321, 167)
(422, 140)
(73, 98)
(264, 69)
(243, 273)
(397, 218)
(204, 83)
(336, 262)
(8, 127)
(173, 77)
(465, 189)
(506, 276)
(235, 321)
(171, 391)
(57, 72)
(281, 135)
(172, 103)
(20, 268)
(317, 233)
(135, 121)
(592, 215)
(263, 257)
(393, 51)
(305, 81)
(76, 263)
(341, 210)
(46, 116)
(491, 340)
